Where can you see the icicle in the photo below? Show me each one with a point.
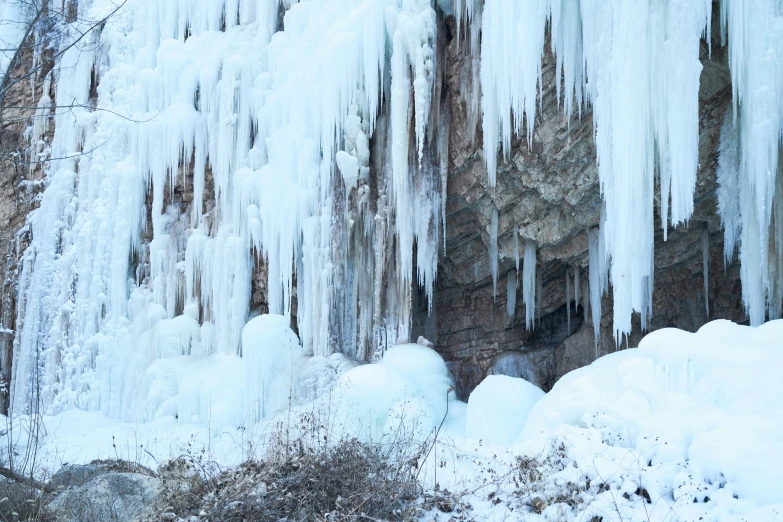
(509, 83)
(511, 293)
(596, 274)
(728, 187)
(776, 251)
(755, 37)
(568, 299)
(443, 158)
(539, 285)
(529, 283)
(650, 49)
(705, 252)
(576, 288)
(516, 246)
(493, 251)
(585, 299)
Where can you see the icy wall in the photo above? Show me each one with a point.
(320, 131)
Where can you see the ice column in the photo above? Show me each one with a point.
(705, 252)
(529, 283)
(511, 292)
(493, 251)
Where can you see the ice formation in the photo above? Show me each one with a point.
(596, 275)
(643, 65)
(568, 299)
(705, 266)
(493, 251)
(13, 28)
(306, 143)
(529, 284)
(511, 292)
(253, 140)
(576, 287)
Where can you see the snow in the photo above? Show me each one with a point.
(684, 416)
(408, 389)
(689, 408)
(272, 356)
(134, 300)
(498, 408)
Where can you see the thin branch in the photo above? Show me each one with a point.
(88, 108)
(68, 156)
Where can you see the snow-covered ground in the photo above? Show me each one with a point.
(688, 426)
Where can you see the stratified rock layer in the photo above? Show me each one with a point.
(550, 192)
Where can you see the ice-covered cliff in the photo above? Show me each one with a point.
(211, 143)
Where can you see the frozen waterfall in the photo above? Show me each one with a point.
(305, 143)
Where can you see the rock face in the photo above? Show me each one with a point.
(550, 192)
(20, 186)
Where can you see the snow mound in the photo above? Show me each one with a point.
(272, 359)
(407, 390)
(697, 415)
(498, 407)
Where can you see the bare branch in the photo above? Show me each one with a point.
(27, 481)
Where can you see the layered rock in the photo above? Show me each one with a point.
(550, 192)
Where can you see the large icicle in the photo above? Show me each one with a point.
(705, 267)
(596, 273)
(576, 287)
(529, 283)
(642, 60)
(755, 37)
(493, 251)
(568, 299)
(277, 127)
(511, 292)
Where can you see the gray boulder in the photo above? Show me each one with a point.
(99, 492)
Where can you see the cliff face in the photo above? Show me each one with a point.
(550, 192)
(21, 183)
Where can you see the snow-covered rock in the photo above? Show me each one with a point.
(408, 389)
(272, 358)
(498, 407)
(693, 418)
